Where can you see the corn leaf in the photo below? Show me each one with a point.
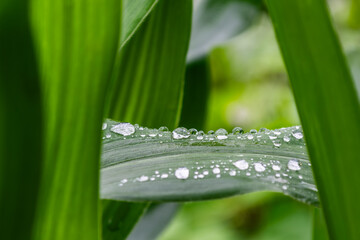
(76, 46)
(328, 107)
(20, 123)
(148, 87)
(141, 164)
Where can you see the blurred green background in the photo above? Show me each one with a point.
(249, 88)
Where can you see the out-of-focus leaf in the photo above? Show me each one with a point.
(148, 85)
(328, 106)
(141, 164)
(76, 42)
(319, 226)
(155, 220)
(214, 22)
(196, 93)
(119, 218)
(20, 123)
(135, 13)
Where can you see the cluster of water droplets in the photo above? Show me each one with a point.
(286, 173)
(277, 138)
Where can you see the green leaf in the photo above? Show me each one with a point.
(319, 226)
(149, 82)
(135, 13)
(215, 22)
(154, 221)
(140, 164)
(77, 42)
(119, 218)
(328, 107)
(20, 123)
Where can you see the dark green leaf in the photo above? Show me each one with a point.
(20, 123)
(328, 107)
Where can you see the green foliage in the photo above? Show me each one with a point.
(328, 107)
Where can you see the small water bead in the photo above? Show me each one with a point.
(253, 131)
(259, 167)
(124, 180)
(221, 134)
(297, 134)
(276, 167)
(277, 143)
(143, 178)
(293, 164)
(276, 132)
(193, 131)
(201, 176)
(200, 135)
(277, 175)
(300, 177)
(286, 138)
(206, 172)
(218, 176)
(104, 126)
(210, 132)
(232, 173)
(124, 129)
(272, 137)
(152, 133)
(216, 170)
(108, 136)
(163, 129)
(241, 164)
(262, 130)
(182, 173)
(237, 130)
(285, 187)
(164, 175)
(250, 137)
(180, 133)
(248, 174)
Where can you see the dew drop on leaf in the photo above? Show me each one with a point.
(259, 167)
(180, 133)
(221, 134)
(182, 173)
(124, 129)
(293, 164)
(241, 164)
(237, 130)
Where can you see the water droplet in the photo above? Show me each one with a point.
(277, 175)
(193, 131)
(206, 172)
(216, 170)
(248, 174)
(104, 126)
(250, 137)
(272, 137)
(211, 132)
(286, 138)
(124, 180)
(237, 130)
(182, 173)
(163, 129)
(293, 164)
(284, 187)
(218, 176)
(180, 133)
(300, 177)
(241, 164)
(143, 178)
(221, 134)
(253, 131)
(108, 136)
(276, 167)
(277, 132)
(259, 167)
(277, 143)
(152, 133)
(201, 176)
(164, 175)
(232, 173)
(124, 129)
(263, 130)
(200, 135)
(297, 134)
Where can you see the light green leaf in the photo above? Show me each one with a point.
(328, 106)
(141, 164)
(76, 42)
(215, 22)
(20, 123)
